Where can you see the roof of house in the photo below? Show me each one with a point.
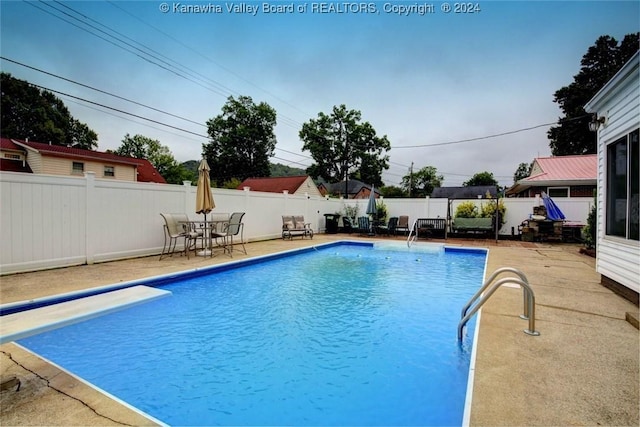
(566, 168)
(9, 165)
(353, 187)
(146, 171)
(470, 192)
(559, 170)
(276, 184)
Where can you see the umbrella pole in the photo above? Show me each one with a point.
(206, 248)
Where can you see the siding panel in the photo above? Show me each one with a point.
(619, 101)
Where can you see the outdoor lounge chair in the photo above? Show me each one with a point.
(403, 224)
(176, 227)
(295, 226)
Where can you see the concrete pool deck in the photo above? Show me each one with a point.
(582, 370)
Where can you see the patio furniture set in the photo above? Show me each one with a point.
(202, 236)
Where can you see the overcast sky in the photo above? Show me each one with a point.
(420, 75)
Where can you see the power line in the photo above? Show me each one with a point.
(511, 132)
(209, 59)
(102, 91)
(120, 111)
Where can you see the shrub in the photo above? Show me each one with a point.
(589, 230)
(488, 210)
(381, 211)
(467, 210)
(351, 211)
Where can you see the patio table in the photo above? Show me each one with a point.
(211, 225)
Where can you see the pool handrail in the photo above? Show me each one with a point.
(411, 240)
(530, 301)
(491, 278)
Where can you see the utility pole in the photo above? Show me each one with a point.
(411, 180)
(346, 160)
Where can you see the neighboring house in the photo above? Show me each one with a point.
(470, 192)
(561, 176)
(617, 118)
(38, 158)
(355, 189)
(299, 185)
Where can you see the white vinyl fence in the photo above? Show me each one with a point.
(49, 221)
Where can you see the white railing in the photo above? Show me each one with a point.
(49, 221)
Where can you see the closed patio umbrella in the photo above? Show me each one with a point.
(204, 197)
(371, 207)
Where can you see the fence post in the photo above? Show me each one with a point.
(90, 215)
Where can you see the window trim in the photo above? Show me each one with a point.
(623, 138)
(76, 171)
(559, 188)
(113, 171)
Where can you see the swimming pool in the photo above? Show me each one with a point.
(341, 335)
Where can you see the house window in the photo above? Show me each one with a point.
(623, 180)
(109, 171)
(12, 156)
(558, 191)
(78, 168)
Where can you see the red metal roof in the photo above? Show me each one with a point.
(7, 144)
(8, 165)
(569, 168)
(148, 173)
(274, 184)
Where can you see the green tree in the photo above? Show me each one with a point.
(142, 147)
(481, 178)
(28, 112)
(242, 140)
(523, 171)
(392, 191)
(422, 182)
(278, 169)
(342, 145)
(599, 64)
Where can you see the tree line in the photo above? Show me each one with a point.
(341, 144)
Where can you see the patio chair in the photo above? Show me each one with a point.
(389, 228)
(176, 227)
(347, 224)
(233, 228)
(364, 225)
(403, 224)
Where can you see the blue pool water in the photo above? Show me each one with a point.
(342, 335)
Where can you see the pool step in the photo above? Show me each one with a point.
(31, 322)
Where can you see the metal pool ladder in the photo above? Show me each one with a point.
(411, 238)
(529, 299)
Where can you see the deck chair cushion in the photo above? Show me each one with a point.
(299, 221)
